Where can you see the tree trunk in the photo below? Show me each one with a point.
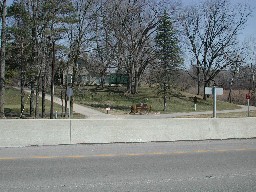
(62, 106)
(102, 81)
(136, 83)
(73, 81)
(22, 92)
(34, 62)
(165, 96)
(205, 85)
(43, 95)
(71, 106)
(253, 99)
(37, 95)
(230, 92)
(66, 101)
(52, 78)
(198, 80)
(129, 86)
(22, 82)
(32, 99)
(2, 68)
(198, 87)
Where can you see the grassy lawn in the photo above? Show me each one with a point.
(120, 103)
(13, 105)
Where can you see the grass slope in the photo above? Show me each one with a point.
(120, 103)
(13, 104)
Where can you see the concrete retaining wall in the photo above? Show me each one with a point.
(34, 132)
(52, 132)
(146, 130)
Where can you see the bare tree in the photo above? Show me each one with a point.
(130, 26)
(103, 54)
(250, 55)
(78, 36)
(211, 30)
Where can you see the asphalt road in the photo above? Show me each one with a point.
(179, 166)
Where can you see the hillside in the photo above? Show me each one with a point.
(120, 102)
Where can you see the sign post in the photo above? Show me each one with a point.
(214, 91)
(214, 101)
(69, 94)
(248, 97)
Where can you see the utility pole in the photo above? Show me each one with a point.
(2, 68)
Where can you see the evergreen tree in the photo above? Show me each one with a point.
(168, 53)
(38, 26)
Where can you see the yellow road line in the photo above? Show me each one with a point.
(43, 157)
(103, 155)
(73, 157)
(202, 151)
(7, 158)
(127, 154)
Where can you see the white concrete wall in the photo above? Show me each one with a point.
(34, 132)
(233, 128)
(146, 130)
(53, 132)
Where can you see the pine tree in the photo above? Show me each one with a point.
(38, 27)
(167, 51)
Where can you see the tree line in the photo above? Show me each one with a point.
(149, 41)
